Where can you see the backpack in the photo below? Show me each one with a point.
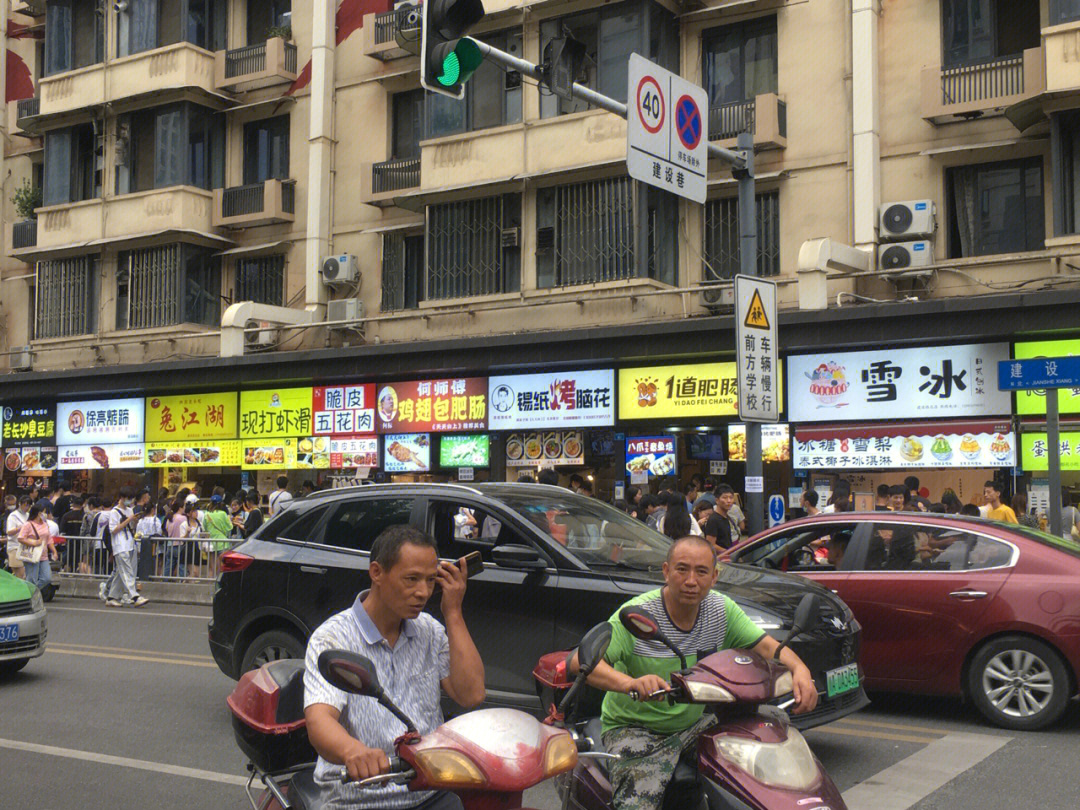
(106, 533)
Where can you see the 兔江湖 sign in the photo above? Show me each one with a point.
(187, 417)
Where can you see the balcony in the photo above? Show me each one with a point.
(255, 204)
(1060, 44)
(764, 117)
(22, 235)
(964, 92)
(381, 33)
(27, 111)
(253, 66)
(382, 183)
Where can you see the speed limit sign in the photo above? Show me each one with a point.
(650, 104)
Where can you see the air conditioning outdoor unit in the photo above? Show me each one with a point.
(510, 237)
(407, 15)
(902, 221)
(340, 271)
(345, 309)
(22, 359)
(266, 338)
(717, 296)
(902, 255)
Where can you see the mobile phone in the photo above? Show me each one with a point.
(474, 564)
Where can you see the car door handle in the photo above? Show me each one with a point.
(969, 594)
(312, 569)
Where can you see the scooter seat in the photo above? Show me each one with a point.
(304, 794)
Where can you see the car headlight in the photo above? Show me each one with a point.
(765, 622)
(443, 768)
(701, 692)
(787, 765)
(560, 755)
(37, 604)
(784, 684)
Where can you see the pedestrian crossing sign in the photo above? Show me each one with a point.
(755, 313)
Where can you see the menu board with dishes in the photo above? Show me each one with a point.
(201, 454)
(465, 451)
(775, 442)
(102, 457)
(29, 425)
(893, 446)
(650, 455)
(183, 418)
(354, 452)
(407, 452)
(30, 459)
(343, 410)
(441, 406)
(548, 448)
(275, 412)
(271, 454)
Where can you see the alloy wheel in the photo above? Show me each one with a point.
(1018, 683)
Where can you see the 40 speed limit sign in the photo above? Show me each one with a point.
(666, 130)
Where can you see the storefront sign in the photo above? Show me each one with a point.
(275, 413)
(561, 399)
(775, 443)
(206, 454)
(921, 444)
(29, 425)
(465, 451)
(103, 456)
(1034, 402)
(930, 381)
(355, 452)
(661, 392)
(30, 459)
(344, 410)
(653, 455)
(1035, 451)
(178, 419)
(433, 405)
(407, 452)
(550, 448)
(112, 421)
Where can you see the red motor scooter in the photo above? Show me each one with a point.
(487, 757)
(752, 759)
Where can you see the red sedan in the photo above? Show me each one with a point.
(948, 605)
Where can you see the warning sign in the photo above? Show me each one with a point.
(755, 313)
(757, 349)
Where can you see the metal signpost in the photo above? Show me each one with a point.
(1045, 374)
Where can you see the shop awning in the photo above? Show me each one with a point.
(416, 200)
(128, 240)
(264, 103)
(396, 226)
(264, 249)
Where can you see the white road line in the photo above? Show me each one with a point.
(911, 780)
(128, 612)
(125, 762)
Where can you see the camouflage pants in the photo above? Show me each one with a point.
(648, 760)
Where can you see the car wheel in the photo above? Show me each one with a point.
(1018, 683)
(11, 667)
(272, 645)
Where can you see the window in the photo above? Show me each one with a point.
(402, 271)
(169, 284)
(460, 529)
(739, 62)
(899, 547)
(266, 150)
(66, 297)
(610, 35)
(356, 524)
(149, 24)
(265, 15)
(290, 527)
(408, 124)
(472, 247)
(74, 34)
(73, 163)
(1065, 156)
(181, 144)
(722, 247)
(975, 31)
(1063, 11)
(261, 279)
(996, 208)
(492, 96)
(820, 548)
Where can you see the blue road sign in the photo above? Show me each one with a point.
(688, 122)
(1039, 373)
(776, 509)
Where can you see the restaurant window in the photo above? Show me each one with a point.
(492, 95)
(72, 165)
(977, 31)
(266, 150)
(402, 271)
(472, 247)
(261, 279)
(149, 24)
(181, 144)
(610, 35)
(170, 284)
(1063, 11)
(995, 208)
(739, 61)
(66, 297)
(722, 247)
(74, 34)
(265, 17)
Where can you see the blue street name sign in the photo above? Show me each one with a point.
(1040, 372)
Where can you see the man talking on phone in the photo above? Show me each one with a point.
(416, 658)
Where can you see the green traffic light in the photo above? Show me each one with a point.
(460, 63)
(451, 70)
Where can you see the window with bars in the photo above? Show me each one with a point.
(261, 280)
(166, 285)
(402, 271)
(65, 299)
(722, 252)
(472, 247)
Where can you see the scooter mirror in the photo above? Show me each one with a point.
(806, 614)
(349, 672)
(593, 646)
(639, 622)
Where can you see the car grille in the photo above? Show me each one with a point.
(24, 644)
(20, 608)
(830, 706)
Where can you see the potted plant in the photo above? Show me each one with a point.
(26, 199)
(279, 31)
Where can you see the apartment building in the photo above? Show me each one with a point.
(196, 154)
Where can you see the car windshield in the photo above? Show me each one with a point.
(594, 532)
(1068, 546)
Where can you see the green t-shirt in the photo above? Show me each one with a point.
(721, 625)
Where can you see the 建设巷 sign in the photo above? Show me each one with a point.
(104, 421)
(275, 413)
(191, 417)
(557, 399)
(344, 410)
(433, 406)
(1032, 402)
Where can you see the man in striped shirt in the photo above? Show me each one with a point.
(414, 656)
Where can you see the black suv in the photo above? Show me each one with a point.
(556, 563)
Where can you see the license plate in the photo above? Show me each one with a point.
(9, 632)
(842, 679)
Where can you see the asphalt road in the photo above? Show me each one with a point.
(126, 710)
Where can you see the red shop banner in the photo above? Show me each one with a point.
(438, 406)
(343, 410)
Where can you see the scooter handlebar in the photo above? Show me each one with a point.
(399, 772)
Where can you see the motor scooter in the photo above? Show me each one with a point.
(751, 759)
(487, 757)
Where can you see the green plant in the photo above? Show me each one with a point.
(26, 199)
(283, 31)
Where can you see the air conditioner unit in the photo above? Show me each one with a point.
(22, 359)
(914, 219)
(266, 338)
(340, 271)
(345, 309)
(407, 15)
(717, 296)
(510, 237)
(902, 255)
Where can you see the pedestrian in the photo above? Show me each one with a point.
(842, 492)
(655, 509)
(120, 586)
(87, 533)
(881, 500)
(702, 511)
(970, 510)
(36, 547)
(190, 532)
(307, 488)
(62, 504)
(952, 503)
(898, 496)
(12, 526)
(677, 522)
(252, 515)
(997, 511)
(633, 499)
(548, 476)
(576, 482)
(280, 497)
(808, 502)
(195, 494)
(708, 492)
(1070, 518)
(911, 484)
(721, 530)
(147, 531)
(586, 489)
(236, 513)
(693, 491)
(174, 563)
(526, 478)
(1019, 506)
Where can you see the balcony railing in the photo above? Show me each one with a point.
(290, 57)
(960, 92)
(28, 107)
(964, 84)
(262, 63)
(381, 39)
(242, 200)
(288, 196)
(246, 60)
(764, 117)
(394, 175)
(728, 120)
(255, 204)
(24, 234)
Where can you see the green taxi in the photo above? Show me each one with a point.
(22, 623)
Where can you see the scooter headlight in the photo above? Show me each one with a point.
(701, 692)
(784, 684)
(786, 765)
(443, 768)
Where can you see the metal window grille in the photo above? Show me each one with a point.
(24, 234)
(465, 253)
(594, 231)
(154, 287)
(261, 280)
(722, 236)
(64, 300)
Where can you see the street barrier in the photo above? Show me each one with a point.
(160, 558)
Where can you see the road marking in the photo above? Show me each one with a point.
(911, 780)
(128, 612)
(125, 762)
(858, 721)
(877, 735)
(53, 648)
(133, 651)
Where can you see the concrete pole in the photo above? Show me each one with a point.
(1053, 438)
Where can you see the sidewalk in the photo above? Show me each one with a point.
(201, 593)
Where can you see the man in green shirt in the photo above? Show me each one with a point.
(649, 735)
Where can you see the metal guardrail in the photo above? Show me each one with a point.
(728, 120)
(24, 234)
(290, 57)
(288, 196)
(174, 560)
(394, 175)
(963, 84)
(27, 107)
(246, 60)
(241, 200)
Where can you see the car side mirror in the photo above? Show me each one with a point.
(518, 556)
(592, 647)
(350, 672)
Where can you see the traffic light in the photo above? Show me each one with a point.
(447, 57)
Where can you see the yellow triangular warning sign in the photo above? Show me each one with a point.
(755, 313)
